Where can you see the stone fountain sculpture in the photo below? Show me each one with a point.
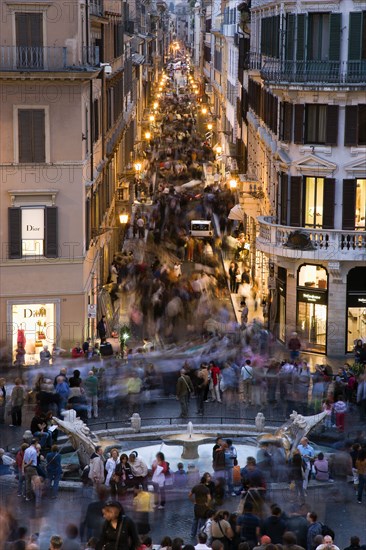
(189, 440)
(292, 431)
(81, 438)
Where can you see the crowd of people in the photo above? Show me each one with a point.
(164, 303)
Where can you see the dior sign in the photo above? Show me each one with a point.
(32, 223)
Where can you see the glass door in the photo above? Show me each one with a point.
(312, 325)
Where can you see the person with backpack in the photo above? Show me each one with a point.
(315, 529)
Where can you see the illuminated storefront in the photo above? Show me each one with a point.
(32, 326)
(312, 306)
(356, 306)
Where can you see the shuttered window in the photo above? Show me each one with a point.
(290, 36)
(286, 121)
(300, 50)
(295, 200)
(331, 134)
(335, 36)
(29, 40)
(349, 204)
(328, 203)
(15, 233)
(31, 135)
(299, 124)
(51, 232)
(355, 125)
(283, 198)
(270, 32)
(16, 240)
(355, 36)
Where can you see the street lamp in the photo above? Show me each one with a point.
(155, 105)
(218, 149)
(137, 166)
(209, 126)
(233, 183)
(151, 118)
(123, 218)
(148, 136)
(204, 110)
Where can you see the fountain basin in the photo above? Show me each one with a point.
(189, 442)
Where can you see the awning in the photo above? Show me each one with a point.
(236, 213)
(137, 59)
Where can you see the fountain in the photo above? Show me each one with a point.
(189, 440)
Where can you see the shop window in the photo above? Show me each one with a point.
(356, 307)
(314, 191)
(33, 326)
(354, 204)
(312, 276)
(33, 232)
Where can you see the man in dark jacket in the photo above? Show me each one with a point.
(119, 531)
(274, 526)
(296, 523)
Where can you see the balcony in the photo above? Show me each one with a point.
(323, 244)
(336, 73)
(47, 58)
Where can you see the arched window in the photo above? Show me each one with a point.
(313, 276)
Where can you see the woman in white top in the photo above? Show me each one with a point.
(110, 466)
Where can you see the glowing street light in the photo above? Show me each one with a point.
(148, 135)
(155, 105)
(233, 183)
(204, 110)
(123, 218)
(151, 118)
(209, 126)
(137, 166)
(218, 149)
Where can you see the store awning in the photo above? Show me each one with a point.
(236, 213)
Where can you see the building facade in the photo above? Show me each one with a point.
(306, 144)
(71, 78)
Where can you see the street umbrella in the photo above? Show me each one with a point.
(236, 213)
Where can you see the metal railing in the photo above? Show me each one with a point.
(172, 421)
(322, 239)
(308, 72)
(47, 58)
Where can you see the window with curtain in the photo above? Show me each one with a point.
(315, 124)
(318, 44)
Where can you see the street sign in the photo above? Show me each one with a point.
(92, 311)
(271, 283)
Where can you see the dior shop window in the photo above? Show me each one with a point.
(356, 307)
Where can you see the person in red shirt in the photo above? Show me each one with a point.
(214, 385)
(77, 352)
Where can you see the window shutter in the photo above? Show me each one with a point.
(328, 203)
(295, 200)
(299, 124)
(300, 51)
(349, 204)
(287, 122)
(334, 36)
(15, 233)
(29, 29)
(354, 36)
(51, 232)
(331, 135)
(31, 135)
(351, 126)
(283, 198)
(25, 135)
(290, 36)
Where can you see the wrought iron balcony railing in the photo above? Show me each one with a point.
(47, 58)
(309, 72)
